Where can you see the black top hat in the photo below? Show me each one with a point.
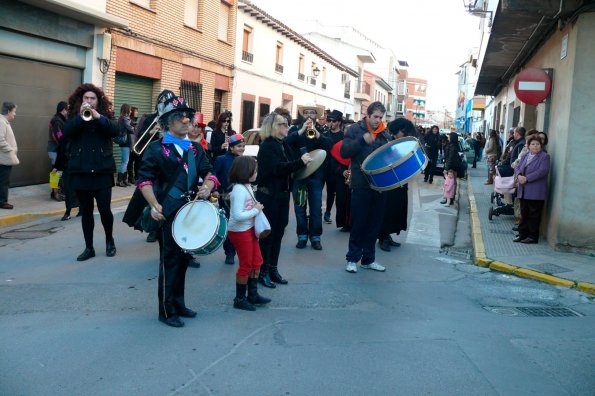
(172, 104)
(335, 115)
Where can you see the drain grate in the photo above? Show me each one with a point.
(534, 311)
(548, 311)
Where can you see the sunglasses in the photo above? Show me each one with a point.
(226, 120)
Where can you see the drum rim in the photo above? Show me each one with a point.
(394, 165)
(404, 181)
(210, 240)
(195, 252)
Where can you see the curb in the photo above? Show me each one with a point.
(481, 260)
(21, 218)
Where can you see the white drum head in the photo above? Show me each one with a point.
(195, 225)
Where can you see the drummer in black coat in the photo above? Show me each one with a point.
(367, 205)
(173, 159)
(397, 201)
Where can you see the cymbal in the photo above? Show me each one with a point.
(318, 157)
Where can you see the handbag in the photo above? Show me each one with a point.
(262, 227)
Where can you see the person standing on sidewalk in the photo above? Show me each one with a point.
(91, 162)
(124, 141)
(367, 205)
(432, 141)
(493, 152)
(452, 161)
(55, 133)
(8, 151)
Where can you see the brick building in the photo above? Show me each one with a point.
(185, 46)
(415, 104)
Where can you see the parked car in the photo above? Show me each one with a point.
(462, 173)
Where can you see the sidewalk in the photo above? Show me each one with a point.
(494, 248)
(33, 202)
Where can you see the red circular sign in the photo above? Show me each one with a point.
(532, 86)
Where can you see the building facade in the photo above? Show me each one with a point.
(415, 104)
(275, 66)
(557, 38)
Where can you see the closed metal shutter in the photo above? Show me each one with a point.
(135, 91)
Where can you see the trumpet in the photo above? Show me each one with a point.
(311, 133)
(146, 137)
(86, 113)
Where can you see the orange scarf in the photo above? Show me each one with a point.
(373, 132)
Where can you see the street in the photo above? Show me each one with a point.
(433, 323)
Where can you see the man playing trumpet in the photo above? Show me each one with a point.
(308, 191)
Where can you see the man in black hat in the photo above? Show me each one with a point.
(170, 170)
(334, 122)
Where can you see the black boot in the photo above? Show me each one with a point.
(110, 248)
(384, 245)
(444, 200)
(263, 277)
(120, 182)
(452, 201)
(125, 179)
(253, 297)
(276, 276)
(240, 302)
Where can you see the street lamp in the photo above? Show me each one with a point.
(316, 72)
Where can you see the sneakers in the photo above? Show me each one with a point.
(351, 267)
(373, 266)
(327, 218)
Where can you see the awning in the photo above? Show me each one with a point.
(518, 28)
(79, 12)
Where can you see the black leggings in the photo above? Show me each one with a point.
(103, 198)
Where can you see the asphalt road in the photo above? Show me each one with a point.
(433, 323)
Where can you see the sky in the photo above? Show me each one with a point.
(433, 36)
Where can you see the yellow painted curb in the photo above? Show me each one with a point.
(586, 287)
(483, 262)
(554, 280)
(503, 267)
(476, 235)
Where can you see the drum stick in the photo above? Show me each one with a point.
(190, 209)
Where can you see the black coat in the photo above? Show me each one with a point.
(276, 164)
(451, 157)
(432, 143)
(90, 150)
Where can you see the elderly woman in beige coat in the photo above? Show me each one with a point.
(8, 151)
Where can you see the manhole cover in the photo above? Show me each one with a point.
(533, 311)
(549, 268)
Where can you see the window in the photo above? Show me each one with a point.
(192, 92)
(191, 13)
(279, 58)
(401, 107)
(347, 93)
(312, 78)
(247, 44)
(263, 110)
(323, 77)
(301, 76)
(224, 13)
(217, 102)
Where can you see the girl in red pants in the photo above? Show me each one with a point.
(243, 210)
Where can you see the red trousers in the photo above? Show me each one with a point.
(248, 251)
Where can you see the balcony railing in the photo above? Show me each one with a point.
(323, 85)
(278, 68)
(312, 81)
(247, 56)
(346, 95)
(301, 76)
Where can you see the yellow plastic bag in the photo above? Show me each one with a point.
(54, 179)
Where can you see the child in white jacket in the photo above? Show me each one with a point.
(243, 210)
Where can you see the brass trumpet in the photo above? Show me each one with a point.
(311, 133)
(86, 113)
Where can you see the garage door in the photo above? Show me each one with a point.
(137, 92)
(36, 88)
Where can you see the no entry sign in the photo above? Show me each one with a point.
(532, 86)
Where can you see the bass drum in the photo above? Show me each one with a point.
(199, 228)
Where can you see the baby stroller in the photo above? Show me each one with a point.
(503, 184)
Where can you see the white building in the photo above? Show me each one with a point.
(275, 66)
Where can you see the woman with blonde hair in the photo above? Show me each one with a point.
(276, 165)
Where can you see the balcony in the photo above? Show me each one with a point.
(247, 56)
(279, 68)
(323, 85)
(364, 93)
(301, 76)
